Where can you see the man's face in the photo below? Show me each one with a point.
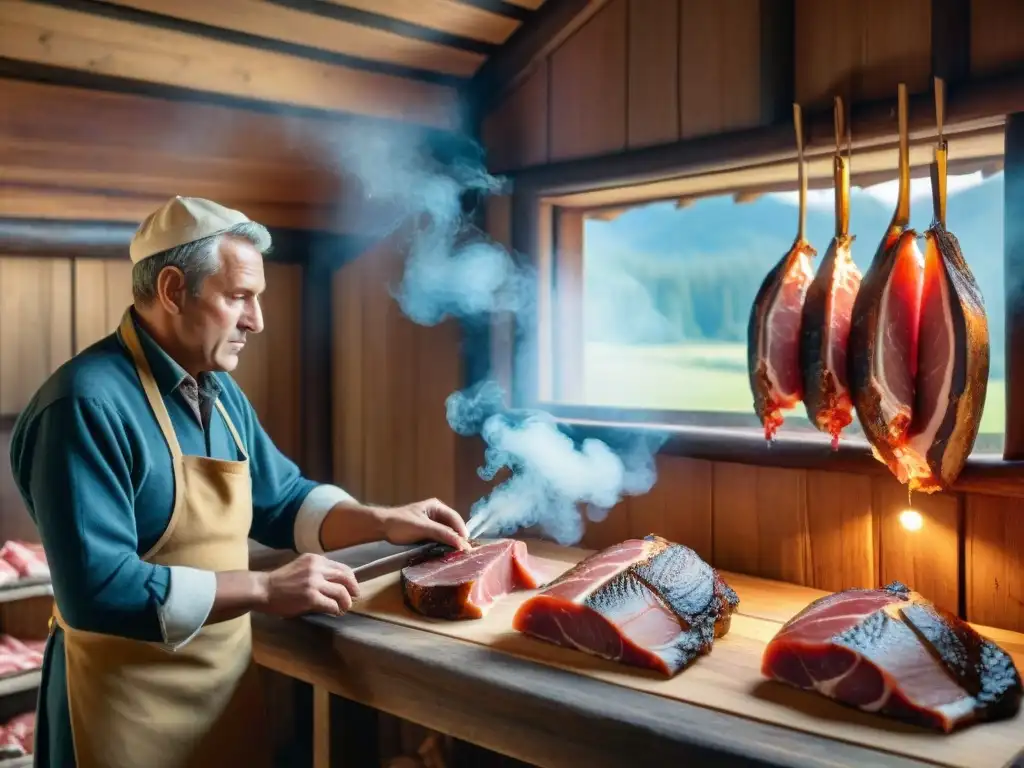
(214, 324)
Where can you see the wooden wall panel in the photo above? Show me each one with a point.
(996, 40)
(928, 559)
(719, 66)
(653, 71)
(861, 49)
(73, 153)
(35, 326)
(588, 87)
(994, 553)
(392, 441)
(639, 72)
(516, 132)
(103, 291)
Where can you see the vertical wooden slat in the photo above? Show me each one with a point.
(926, 560)
(314, 375)
(438, 374)
(861, 49)
(760, 521)
(282, 307)
(90, 302)
(616, 526)
(401, 385)
(516, 132)
(35, 325)
(378, 466)
(994, 552)
(653, 92)
(777, 21)
(347, 306)
(840, 521)
(951, 39)
(719, 66)
(684, 487)
(588, 87)
(118, 277)
(736, 541)
(103, 291)
(782, 527)
(996, 42)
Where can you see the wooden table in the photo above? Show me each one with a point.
(533, 712)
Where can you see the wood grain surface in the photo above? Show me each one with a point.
(729, 678)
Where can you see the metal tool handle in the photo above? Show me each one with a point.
(390, 563)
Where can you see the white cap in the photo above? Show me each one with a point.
(184, 220)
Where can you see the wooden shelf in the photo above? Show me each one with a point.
(25, 591)
(26, 681)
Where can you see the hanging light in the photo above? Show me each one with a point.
(911, 520)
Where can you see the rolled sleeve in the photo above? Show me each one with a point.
(74, 464)
(310, 517)
(189, 601)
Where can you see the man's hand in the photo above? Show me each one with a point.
(425, 520)
(310, 584)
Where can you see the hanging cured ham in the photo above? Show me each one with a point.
(773, 333)
(953, 352)
(919, 343)
(828, 307)
(883, 342)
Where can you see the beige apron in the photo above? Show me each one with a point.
(135, 704)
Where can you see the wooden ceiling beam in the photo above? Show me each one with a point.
(45, 35)
(553, 23)
(451, 21)
(286, 29)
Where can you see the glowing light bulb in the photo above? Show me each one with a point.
(911, 520)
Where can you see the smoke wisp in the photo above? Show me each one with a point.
(453, 270)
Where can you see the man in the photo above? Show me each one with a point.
(146, 471)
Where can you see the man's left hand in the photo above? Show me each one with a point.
(426, 520)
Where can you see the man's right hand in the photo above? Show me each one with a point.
(309, 584)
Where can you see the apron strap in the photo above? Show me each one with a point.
(156, 400)
(231, 429)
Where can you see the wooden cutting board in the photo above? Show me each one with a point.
(729, 678)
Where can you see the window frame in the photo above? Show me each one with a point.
(539, 227)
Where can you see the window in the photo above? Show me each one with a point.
(667, 289)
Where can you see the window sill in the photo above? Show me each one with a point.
(984, 473)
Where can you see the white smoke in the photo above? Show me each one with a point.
(455, 271)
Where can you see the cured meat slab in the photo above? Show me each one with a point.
(890, 651)
(953, 356)
(827, 315)
(773, 337)
(727, 680)
(774, 328)
(465, 584)
(644, 602)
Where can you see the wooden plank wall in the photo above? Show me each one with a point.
(643, 72)
(392, 441)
